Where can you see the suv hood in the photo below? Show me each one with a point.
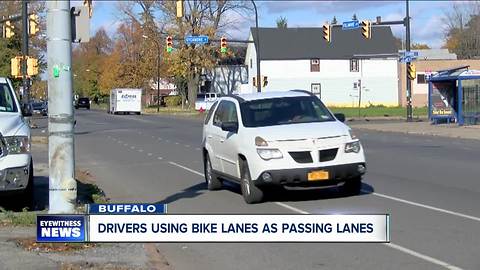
(10, 123)
(302, 131)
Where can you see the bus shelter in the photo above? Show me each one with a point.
(454, 96)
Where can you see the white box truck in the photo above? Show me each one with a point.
(125, 100)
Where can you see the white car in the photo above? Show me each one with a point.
(279, 139)
(16, 165)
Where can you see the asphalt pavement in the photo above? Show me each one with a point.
(429, 185)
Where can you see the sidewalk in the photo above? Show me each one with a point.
(421, 128)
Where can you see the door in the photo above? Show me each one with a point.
(214, 137)
(229, 155)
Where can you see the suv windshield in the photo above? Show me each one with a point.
(7, 102)
(281, 111)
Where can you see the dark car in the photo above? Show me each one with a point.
(83, 103)
(40, 108)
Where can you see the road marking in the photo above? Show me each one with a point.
(159, 158)
(149, 154)
(140, 150)
(391, 245)
(185, 168)
(425, 206)
(422, 256)
(126, 144)
(198, 149)
(186, 145)
(132, 147)
(177, 143)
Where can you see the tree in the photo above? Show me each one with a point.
(462, 29)
(282, 22)
(419, 46)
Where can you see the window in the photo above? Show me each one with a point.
(226, 112)
(421, 79)
(354, 65)
(316, 89)
(7, 102)
(315, 65)
(210, 112)
(283, 111)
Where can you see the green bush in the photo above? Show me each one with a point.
(171, 101)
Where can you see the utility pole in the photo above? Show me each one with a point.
(259, 86)
(62, 185)
(408, 81)
(25, 83)
(158, 76)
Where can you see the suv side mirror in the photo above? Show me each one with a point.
(230, 126)
(26, 110)
(340, 117)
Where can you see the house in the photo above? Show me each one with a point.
(429, 61)
(224, 79)
(299, 58)
(150, 95)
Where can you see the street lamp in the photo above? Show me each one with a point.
(158, 72)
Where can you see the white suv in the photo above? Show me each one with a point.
(16, 166)
(279, 138)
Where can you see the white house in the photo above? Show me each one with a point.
(299, 58)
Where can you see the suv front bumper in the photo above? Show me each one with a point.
(299, 176)
(14, 172)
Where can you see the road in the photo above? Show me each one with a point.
(429, 185)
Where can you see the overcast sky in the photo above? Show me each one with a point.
(427, 26)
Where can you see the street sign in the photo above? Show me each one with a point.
(350, 25)
(410, 54)
(406, 59)
(196, 40)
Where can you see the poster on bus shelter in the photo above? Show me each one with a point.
(442, 97)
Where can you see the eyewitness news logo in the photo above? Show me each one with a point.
(61, 228)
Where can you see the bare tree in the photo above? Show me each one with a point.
(282, 22)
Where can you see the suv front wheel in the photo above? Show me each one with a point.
(210, 177)
(250, 192)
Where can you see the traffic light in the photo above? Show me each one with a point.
(32, 66)
(367, 29)
(169, 44)
(179, 9)
(88, 4)
(33, 24)
(223, 45)
(264, 81)
(411, 71)
(16, 65)
(327, 32)
(8, 29)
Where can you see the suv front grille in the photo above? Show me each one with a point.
(328, 154)
(301, 157)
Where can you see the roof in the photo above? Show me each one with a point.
(273, 94)
(434, 54)
(308, 43)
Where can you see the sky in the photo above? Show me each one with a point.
(426, 24)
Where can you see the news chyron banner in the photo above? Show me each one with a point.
(151, 223)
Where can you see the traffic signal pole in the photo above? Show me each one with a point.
(62, 185)
(25, 83)
(408, 81)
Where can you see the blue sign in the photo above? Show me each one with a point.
(196, 39)
(410, 54)
(61, 228)
(406, 59)
(127, 208)
(350, 25)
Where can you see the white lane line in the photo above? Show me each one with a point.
(198, 149)
(159, 158)
(177, 143)
(426, 206)
(391, 245)
(423, 256)
(125, 144)
(185, 168)
(132, 147)
(186, 145)
(149, 154)
(140, 150)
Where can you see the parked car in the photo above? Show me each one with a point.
(40, 107)
(16, 164)
(205, 100)
(279, 139)
(83, 102)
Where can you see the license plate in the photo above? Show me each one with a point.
(317, 175)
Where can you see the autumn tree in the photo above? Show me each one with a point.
(419, 46)
(462, 33)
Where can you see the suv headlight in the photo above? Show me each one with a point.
(18, 144)
(352, 147)
(268, 154)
